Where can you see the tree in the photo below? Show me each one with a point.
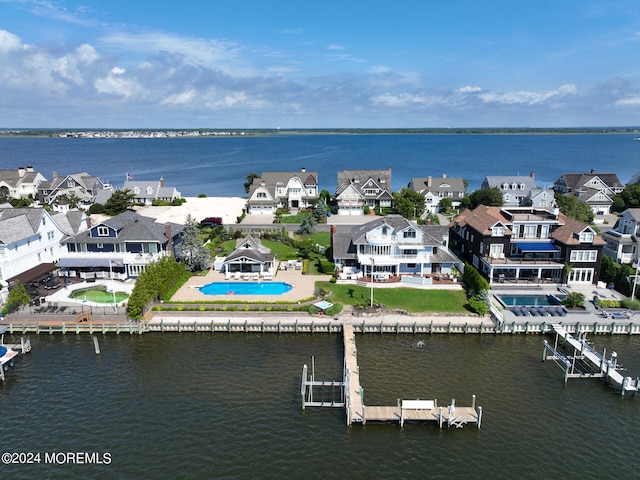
(321, 210)
(192, 251)
(307, 226)
(491, 197)
(445, 205)
(249, 182)
(574, 208)
(629, 197)
(408, 203)
(17, 297)
(120, 201)
(325, 195)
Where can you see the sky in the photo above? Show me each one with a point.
(319, 64)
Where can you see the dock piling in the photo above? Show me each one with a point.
(96, 346)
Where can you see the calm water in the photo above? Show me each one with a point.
(218, 166)
(228, 406)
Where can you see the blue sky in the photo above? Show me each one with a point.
(319, 64)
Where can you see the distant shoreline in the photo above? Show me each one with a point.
(235, 133)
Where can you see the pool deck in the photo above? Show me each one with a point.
(303, 288)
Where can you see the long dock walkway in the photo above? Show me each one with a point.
(597, 363)
(353, 389)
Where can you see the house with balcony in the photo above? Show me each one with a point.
(622, 239)
(435, 189)
(63, 193)
(30, 243)
(20, 183)
(360, 188)
(392, 247)
(595, 189)
(527, 245)
(120, 247)
(289, 190)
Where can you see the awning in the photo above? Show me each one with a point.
(34, 273)
(89, 262)
(528, 247)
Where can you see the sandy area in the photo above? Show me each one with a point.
(227, 208)
(303, 288)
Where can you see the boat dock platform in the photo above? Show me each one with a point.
(9, 351)
(351, 397)
(585, 362)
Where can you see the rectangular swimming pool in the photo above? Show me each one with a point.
(245, 288)
(537, 300)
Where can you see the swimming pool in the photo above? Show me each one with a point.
(530, 300)
(245, 288)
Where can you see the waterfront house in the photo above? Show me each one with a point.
(147, 191)
(622, 239)
(20, 183)
(595, 189)
(69, 191)
(249, 256)
(527, 244)
(120, 247)
(435, 189)
(29, 244)
(392, 247)
(360, 188)
(288, 190)
(516, 189)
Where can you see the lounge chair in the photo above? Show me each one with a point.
(517, 311)
(227, 275)
(561, 311)
(237, 275)
(245, 276)
(256, 275)
(267, 276)
(533, 311)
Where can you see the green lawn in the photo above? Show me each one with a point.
(297, 218)
(409, 299)
(280, 250)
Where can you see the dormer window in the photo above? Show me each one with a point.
(514, 186)
(102, 231)
(586, 237)
(409, 234)
(381, 179)
(497, 231)
(149, 190)
(522, 186)
(505, 186)
(71, 183)
(356, 179)
(136, 190)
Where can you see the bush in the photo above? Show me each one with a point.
(327, 267)
(574, 300)
(474, 281)
(631, 304)
(478, 305)
(96, 208)
(334, 310)
(312, 310)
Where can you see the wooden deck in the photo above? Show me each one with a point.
(354, 404)
(441, 415)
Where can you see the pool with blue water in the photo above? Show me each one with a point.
(245, 288)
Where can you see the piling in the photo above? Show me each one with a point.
(96, 346)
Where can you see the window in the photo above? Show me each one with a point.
(514, 186)
(516, 230)
(505, 186)
(102, 231)
(149, 190)
(39, 257)
(584, 255)
(586, 237)
(409, 234)
(544, 231)
(450, 194)
(530, 231)
(522, 186)
(497, 231)
(50, 236)
(262, 195)
(100, 245)
(496, 250)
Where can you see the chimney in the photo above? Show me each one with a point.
(88, 222)
(21, 172)
(429, 181)
(333, 231)
(444, 175)
(304, 169)
(593, 170)
(55, 175)
(30, 168)
(533, 175)
(167, 233)
(161, 182)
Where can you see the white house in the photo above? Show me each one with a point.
(291, 190)
(435, 189)
(20, 183)
(393, 246)
(147, 191)
(360, 188)
(595, 189)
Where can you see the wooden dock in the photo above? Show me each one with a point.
(352, 398)
(585, 362)
(9, 351)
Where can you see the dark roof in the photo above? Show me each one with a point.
(33, 273)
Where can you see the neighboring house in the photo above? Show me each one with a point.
(69, 191)
(29, 244)
(541, 198)
(290, 190)
(595, 189)
(516, 244)
(20, 183)
(392, 246)
(121, 247)
(250, 256)
(360, 188)
(146, 192)
(622, 240)
(516, 189)
(435, 189)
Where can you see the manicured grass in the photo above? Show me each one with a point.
(297, 218)
(409, 299)
(280, 250)
(98, 295)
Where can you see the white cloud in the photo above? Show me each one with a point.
(335, 46)
(117, 84)
(527, 97)
(181, 98)
(469, 89)
(9, 41)
(629, 102)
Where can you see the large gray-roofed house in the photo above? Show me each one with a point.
(359, 188)
(250, 256)
(516, 189)
(147, 191)
(82, 186)
(124, 244)
(435, 189)
(290, 190)
(595, 189)
(393, 246)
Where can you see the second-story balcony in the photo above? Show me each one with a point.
(378, 260)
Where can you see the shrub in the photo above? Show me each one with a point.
(478, 305)
(334, 310)
(631, 304)
(573, 300)
(312, 310)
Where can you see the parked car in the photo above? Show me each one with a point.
(211, 222)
